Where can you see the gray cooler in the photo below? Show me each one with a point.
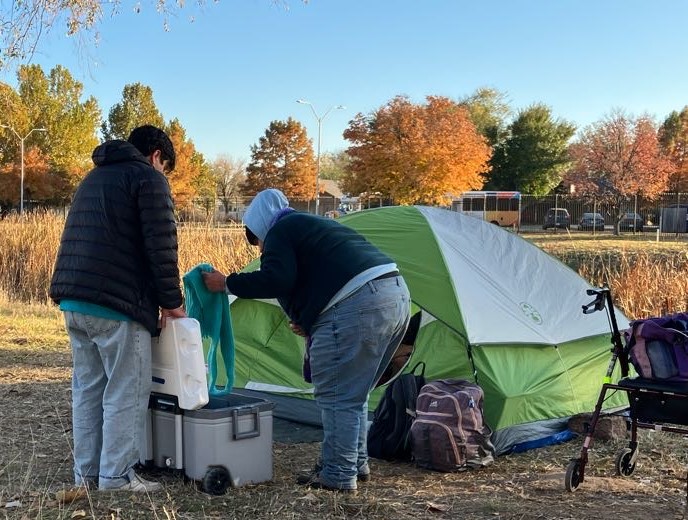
(227, 442)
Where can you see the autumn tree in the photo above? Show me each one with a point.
(619, 157)
(190, 169)
(13, 111)
(673, 138)
(489, 110)
(136, 108)
(228, 174)
(534, 156)
(283, 158)
(415, 153)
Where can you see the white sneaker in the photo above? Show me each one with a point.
(138, 484)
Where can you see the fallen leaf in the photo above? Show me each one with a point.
(79, 513)
(67, 496)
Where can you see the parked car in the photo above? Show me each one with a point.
(631, 222)
(591, 221)
(557, 218)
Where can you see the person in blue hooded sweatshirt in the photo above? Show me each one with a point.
(348, 299)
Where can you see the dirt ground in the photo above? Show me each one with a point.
(35, 464)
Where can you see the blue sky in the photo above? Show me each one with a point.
(243, 63)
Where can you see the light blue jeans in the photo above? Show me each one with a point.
(111, 384)
(352, 344)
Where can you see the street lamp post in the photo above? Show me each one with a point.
(21, 182)
(317, 167)
(21, 140)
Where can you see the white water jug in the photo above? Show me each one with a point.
(178, 363)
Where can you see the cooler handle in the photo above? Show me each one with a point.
(255, 412)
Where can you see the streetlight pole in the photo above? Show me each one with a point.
(317, 167)
(21, 140)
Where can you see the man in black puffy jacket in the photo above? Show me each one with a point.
(116, 274)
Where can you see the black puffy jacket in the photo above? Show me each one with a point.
(119, 245)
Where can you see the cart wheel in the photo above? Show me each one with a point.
(215, 480)
(625, 462)
(573, 475)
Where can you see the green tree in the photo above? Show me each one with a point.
(53, 103)
(136, 108)
(489, 110)
(13, 111)
(334, 165)
(71, 124)
(673, 138)
(283, 158)
(534, 156)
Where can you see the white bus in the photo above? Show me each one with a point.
(502, 208)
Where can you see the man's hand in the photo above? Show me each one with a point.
(171, 313)
(296, 329)
(214, 281)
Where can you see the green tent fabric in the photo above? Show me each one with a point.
(495, 309)
(212, 312)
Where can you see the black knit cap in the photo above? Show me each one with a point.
(148, 138)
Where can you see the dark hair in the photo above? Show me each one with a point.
(252, 239)
(148, 138)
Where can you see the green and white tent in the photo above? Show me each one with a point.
(495, 309)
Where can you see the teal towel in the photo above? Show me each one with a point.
(212, 312)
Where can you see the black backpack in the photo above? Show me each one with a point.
(388, 437)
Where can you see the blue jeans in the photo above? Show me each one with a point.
(111, 383)
(352, 344)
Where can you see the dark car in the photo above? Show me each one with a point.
(591, 221)
(557, 218)
(631, 222)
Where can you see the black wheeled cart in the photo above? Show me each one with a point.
(653, 404)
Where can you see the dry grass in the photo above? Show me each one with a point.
(35, 464)
(30, 244)
(647, 278)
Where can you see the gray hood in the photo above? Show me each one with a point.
(260, 214)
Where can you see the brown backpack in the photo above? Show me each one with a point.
(448, 433)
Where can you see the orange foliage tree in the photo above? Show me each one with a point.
(190, 165)
(41, 182)
(673, 136)
(283, 158)
(415, 153)
(619, 157)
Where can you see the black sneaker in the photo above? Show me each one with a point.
(361, 477)
(313, 482)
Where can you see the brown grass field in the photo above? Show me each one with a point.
(647, 278)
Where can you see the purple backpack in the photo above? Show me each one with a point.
(658, 347)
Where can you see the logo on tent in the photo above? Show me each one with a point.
(531, 312)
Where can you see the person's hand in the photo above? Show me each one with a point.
(296, 329)
(171, 313)
(214, 281)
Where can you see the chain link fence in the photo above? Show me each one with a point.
(666, 215)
